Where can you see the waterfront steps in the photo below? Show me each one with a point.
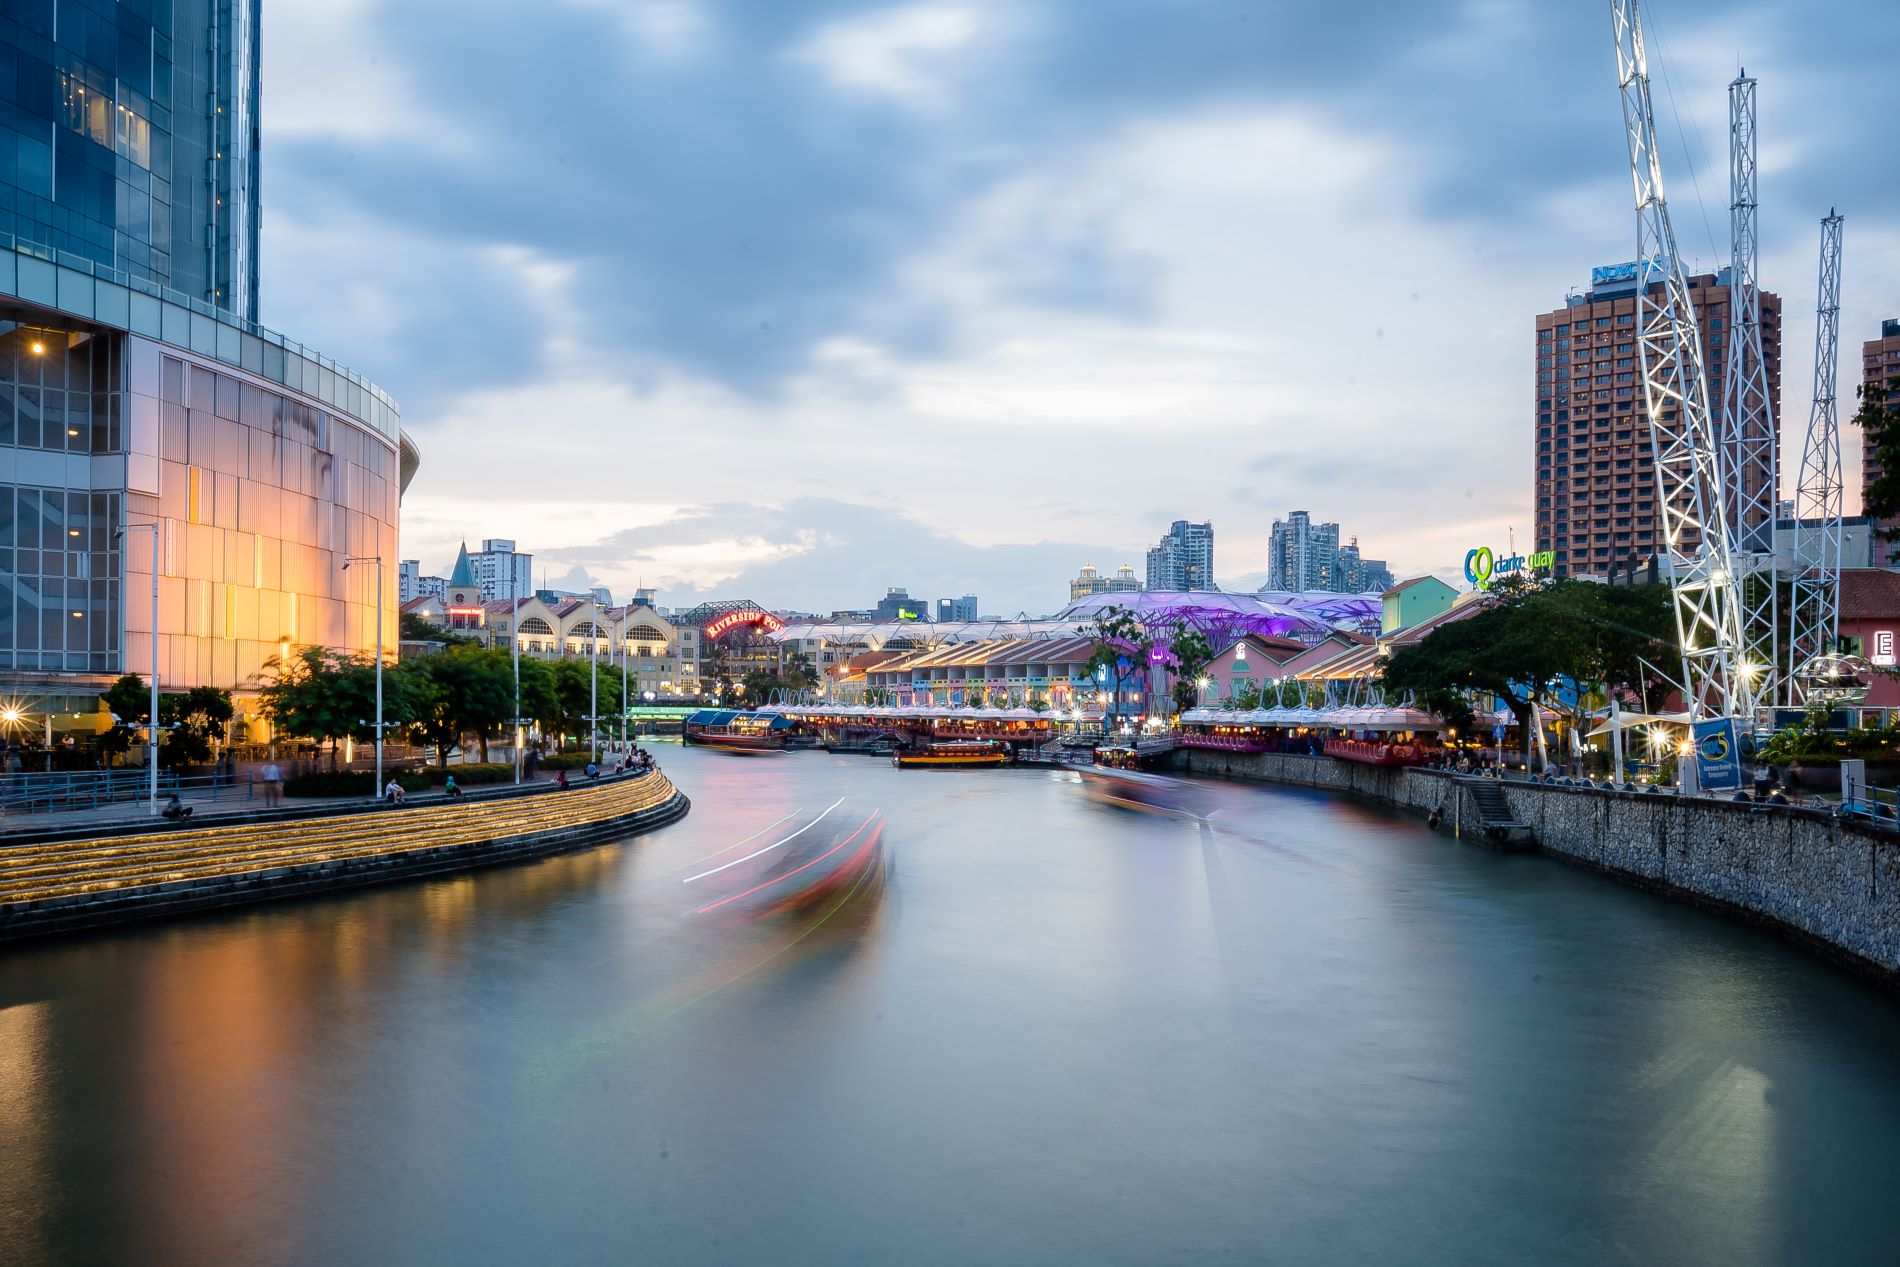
(72, 883)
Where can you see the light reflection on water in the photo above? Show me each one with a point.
(1031, 1029)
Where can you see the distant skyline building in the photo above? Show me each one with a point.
(495, 563)
(956, 610)
(1089, 582)
(1304, 556)
(897, 604)
(1879, 363)
(1183, 559)
(1595, 481)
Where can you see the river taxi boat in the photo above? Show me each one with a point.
(877, 746)
(953, 754)
(740, 733)
(1132, 789)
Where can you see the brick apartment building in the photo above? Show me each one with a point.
(1879, 363)
(1595, 470)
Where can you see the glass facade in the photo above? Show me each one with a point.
(128, 137)
(261, 497)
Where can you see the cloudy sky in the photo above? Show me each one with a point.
(801, 299)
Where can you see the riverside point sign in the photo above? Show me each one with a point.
(1482, 566)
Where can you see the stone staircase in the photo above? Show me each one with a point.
(1496, 822)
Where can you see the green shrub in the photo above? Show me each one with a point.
(564, 761)
(469, 775)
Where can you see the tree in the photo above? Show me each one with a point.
(1879, 422)
(326, 695)
(1122, 645)
(415, 629)
(129, 701)
(465, 690)
(196, 721)
(1188, 653)
(1534, 646)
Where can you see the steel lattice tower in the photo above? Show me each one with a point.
(1750, 449)
(1817, 504)
(1695, 545)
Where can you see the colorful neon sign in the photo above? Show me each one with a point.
(744, 616)
(1481, 565)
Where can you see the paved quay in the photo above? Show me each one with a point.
(102, 875)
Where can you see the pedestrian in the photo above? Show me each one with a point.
(593, 770)
(393, 793)
(176, 810)
(450, 790)
(1464, 763)
(560, 780)
(1794, 780)
(530, 763)
(273, 781)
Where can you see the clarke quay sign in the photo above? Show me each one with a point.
(1482, 566)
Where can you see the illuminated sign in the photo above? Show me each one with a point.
(1883, 648)
(1481, 565)
(1622, 272)
(745, 616)
(905, 613)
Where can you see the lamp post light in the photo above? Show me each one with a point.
(377, 559)
(514, 647)
(593, 686)
(151, 729)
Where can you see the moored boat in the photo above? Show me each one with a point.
(953, 754)
(740, 733)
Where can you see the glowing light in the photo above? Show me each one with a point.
(38, 348)
(769, 848)
(711, 906)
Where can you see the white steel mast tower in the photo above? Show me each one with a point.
(1750, 450)
(1676, 397)
(1817, 503)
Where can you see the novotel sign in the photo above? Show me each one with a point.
(745, 616)
(1482, 566)
(1605, 273)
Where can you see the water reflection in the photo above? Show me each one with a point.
(846, 1013)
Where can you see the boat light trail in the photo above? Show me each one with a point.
(769, 848)
(738, 844)
(779, 879)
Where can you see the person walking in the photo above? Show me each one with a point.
(273, 780)
(1794, 780)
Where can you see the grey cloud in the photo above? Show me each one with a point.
(857, 552)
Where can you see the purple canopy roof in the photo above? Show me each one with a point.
(1221, 618)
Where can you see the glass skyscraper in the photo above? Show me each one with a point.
(137, 388)
(129, 138)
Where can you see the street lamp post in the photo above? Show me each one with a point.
(151, 729)
(514, 640)
(625, 700)
(593, 686)
(377, 559)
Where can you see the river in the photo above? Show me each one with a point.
(1050, 1032)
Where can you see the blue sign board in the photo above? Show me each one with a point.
(1718, 759)
(1497, 731)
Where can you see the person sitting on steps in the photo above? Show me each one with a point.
(176, 810)
(450, 790)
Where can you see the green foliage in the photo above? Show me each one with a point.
(197, 720)
(1247, 697)
(1122, 644)
(415, 629)
(328, 696)
(1534, 639)
(1813, 743)
(1879, 422)
(1189, 651)
(129, 701)
(465, 690)
(363, 782)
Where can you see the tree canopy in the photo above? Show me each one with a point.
(1879, 422)
(1550, 645)
(1122, 644)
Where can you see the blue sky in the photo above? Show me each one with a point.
(798, 301)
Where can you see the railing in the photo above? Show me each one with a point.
(40, 793)
(1370, 752)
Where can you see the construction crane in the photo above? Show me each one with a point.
(1718, 679)
(1749, 449)
(1817, 500)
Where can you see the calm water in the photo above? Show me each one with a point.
(1056, 1033)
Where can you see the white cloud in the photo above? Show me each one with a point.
(901, 54)
(327, 82)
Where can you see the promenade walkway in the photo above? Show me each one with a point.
(35, 876)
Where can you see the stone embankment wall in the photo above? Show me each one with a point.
(1831, 883)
